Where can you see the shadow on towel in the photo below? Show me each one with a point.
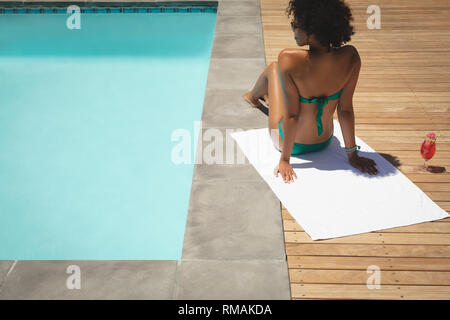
(324, 164)
(391, 159)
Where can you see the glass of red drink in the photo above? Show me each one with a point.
(428, 148)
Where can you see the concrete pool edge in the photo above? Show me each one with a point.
(237, 254)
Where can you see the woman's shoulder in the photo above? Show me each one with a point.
(349, 51)
(348, 48)
(294, 57)
(299, 55)
(294, 53)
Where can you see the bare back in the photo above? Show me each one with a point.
(317, 77)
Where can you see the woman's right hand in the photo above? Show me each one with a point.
(286, 171)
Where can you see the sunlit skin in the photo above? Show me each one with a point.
(315, 72)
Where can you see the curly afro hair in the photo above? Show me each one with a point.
(328, 20)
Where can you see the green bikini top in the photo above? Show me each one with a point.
(321, 102)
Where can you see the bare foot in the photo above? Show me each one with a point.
(254, 102)
(266, 99)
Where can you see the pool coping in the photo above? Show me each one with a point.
(234, 241)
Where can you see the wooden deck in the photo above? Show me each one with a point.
(403, 93)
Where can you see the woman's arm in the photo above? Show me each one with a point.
(291, 103)
(345, 111)
(346, 118)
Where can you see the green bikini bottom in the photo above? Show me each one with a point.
(300, 148)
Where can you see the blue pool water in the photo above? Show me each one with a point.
(86, 118)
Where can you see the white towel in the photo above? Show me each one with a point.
(331, 198)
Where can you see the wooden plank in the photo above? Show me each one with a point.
(419, 162)
(382, 144)
(286, 215)
(444, 205)
(367, 250)
(342, 291)
(394, 121)
(395, 135)
(361, 263)
(437, 278)
(416, 153)
(428, 177)
(434, 186)
(438, 196)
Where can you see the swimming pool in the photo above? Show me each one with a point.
(86, 118)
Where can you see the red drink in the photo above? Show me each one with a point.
(428, 148)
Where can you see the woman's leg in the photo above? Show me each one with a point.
(269, 83)
(259, 91)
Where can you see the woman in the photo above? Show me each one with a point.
(305, 87)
